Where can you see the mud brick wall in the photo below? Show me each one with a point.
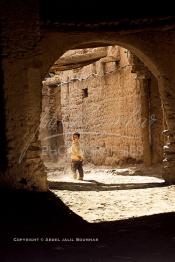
(105, 109)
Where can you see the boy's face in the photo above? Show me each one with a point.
(75, 138)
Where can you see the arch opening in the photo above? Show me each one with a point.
(67, 86)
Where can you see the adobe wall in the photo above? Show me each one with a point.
(51, 128)
(156, 122)
(109, 118)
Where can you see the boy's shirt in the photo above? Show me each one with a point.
(76, 152)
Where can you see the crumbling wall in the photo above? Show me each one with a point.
(156, 122)
(51, 127)
(104, 106)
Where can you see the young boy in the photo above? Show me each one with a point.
(76, 157)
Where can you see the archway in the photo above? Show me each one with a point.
(29, 47)
(147, 86)
(143, 74)
(126, 42)
(52, 45)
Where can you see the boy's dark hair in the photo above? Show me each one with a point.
(76, 134)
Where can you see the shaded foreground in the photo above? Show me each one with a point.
(43, 215)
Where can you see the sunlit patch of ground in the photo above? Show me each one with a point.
(113, 194)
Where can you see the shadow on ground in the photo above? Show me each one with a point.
(43, 215)
(97, 186)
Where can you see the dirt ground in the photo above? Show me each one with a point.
(114, 194)
(114, 215)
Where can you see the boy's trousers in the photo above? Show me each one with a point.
(77, 165)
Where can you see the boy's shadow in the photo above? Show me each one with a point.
(93, 185)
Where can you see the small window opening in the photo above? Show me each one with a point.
(85, 92)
